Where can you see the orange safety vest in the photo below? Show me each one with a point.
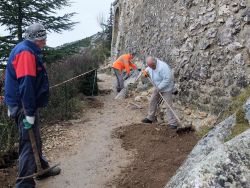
(121, 65)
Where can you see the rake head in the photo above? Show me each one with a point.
(38, 173)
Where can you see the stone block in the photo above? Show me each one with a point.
(238, 59)
(247, 110)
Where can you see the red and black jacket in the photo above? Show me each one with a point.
(26, 80)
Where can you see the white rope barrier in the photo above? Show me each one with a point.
(69, 80)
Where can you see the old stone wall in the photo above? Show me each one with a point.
(206, 42)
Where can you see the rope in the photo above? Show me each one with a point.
(6, 132)
(69, 80)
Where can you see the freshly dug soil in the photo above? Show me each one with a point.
(159, 152)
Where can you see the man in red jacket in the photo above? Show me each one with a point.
(26, 90)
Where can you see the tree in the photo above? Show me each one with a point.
(107, 28)
(101, 20)
(6, 42)
(16, 15)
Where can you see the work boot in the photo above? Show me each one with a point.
(53, 172)
(146, 120)
(181, 130)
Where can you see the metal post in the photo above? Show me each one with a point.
(66, 100)
(94, 83)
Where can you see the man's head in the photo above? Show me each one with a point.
(151, 62)
(37, 34)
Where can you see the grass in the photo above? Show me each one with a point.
(235, 107)
(236, 104)
(237, 130)
(204, 131)
(241, 125)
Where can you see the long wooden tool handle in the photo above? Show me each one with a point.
(35, 150)
(179, 121)
(140, 73)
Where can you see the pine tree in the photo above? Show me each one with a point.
(6, 42)
(106, 35)
(109, 27)
(16, 15)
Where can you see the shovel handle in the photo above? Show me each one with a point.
(35, 150)
(171, 109)
(179, 121)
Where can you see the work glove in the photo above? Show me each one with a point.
(145, 73)
(28, 122)
(8, 113)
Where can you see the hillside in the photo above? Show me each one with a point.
(94, 44)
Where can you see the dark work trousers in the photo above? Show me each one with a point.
(119, 78)
(27, 165)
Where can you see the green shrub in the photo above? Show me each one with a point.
(204, 131)
(61, 104)
(237, 130)
(236, 107)
(236, 104)
(8, 131)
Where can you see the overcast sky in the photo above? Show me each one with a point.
(87, 13)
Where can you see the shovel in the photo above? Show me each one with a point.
(180, 128)
(40, 170)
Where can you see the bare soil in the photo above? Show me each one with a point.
(159, 152)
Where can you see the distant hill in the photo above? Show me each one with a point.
(76, 45)
(95, 44)
(57, 53)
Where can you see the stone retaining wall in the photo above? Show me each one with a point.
(206, 42)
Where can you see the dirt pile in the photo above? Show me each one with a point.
(159, 152)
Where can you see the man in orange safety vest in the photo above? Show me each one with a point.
(123, 63)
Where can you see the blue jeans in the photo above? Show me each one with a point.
(27, 165)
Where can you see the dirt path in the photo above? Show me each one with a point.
(95, 158)
(107, 146)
